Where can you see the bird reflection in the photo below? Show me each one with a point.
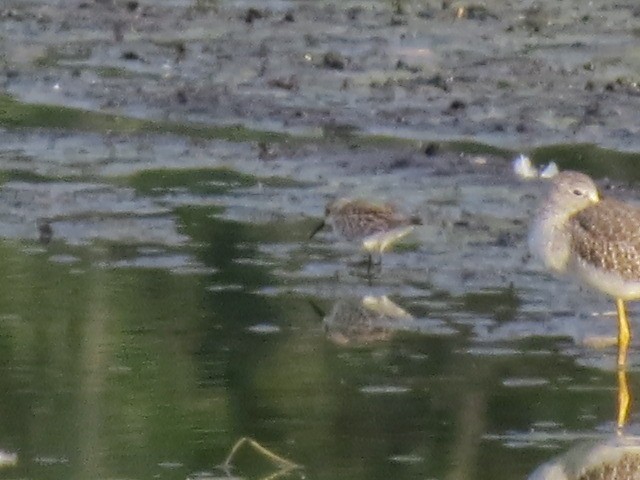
(8, 458)
(45, 232)
(615, 458)
(624, 400)
(366, 320)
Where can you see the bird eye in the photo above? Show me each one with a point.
(577, 192)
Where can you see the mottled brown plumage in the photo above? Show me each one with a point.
(607, 236)
(627, 467)
(358, 219)
(615, 458)
(375, 226)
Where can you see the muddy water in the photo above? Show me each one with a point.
(162, 167)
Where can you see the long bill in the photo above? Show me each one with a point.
(317, 229)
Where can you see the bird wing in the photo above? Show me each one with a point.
(607, 236)
(372, 219)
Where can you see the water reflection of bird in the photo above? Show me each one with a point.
(361, 321)
(617, 458)
(577, 231)
(45, 232)
(374, 226)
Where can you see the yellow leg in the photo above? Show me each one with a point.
(624, 333)
(624, 337)
(624, 399)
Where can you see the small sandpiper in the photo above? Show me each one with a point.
(374, 226)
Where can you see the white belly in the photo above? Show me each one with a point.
(606, 281)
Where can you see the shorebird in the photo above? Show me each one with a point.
(374, 226)
(595, 238)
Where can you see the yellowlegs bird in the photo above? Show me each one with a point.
(597, 239)
(374, 226)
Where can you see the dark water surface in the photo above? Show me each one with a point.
(178, 309)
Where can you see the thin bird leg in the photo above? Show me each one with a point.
(280, 473)
(624, 333)
(369, 263)
(624, 399)
(282, 462)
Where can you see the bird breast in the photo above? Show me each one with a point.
(550, 241)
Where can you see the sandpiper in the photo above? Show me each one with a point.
(374, 226)
(597, 239)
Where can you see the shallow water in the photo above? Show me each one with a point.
(180, 307)
(179, 304)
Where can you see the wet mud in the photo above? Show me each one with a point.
(505, 73)
(204, 138)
